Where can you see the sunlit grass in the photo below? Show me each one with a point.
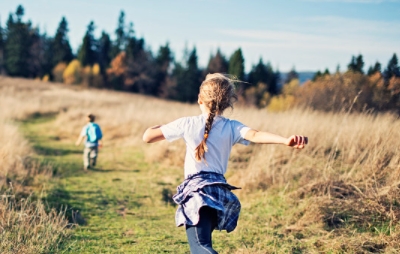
(339, 195)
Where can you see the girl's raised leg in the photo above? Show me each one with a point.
(199, 236)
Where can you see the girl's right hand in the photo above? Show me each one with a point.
(297, 141)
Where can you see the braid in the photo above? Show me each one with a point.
(217, 92)
(202, 147)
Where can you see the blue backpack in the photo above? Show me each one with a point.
(94, 133)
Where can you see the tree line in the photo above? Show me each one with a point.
(126, 63)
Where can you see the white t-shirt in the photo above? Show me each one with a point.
(223, 135)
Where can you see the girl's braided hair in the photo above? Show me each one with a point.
(217, 92)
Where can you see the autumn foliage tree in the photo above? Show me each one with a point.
(116, 71)
(73, 73)
(350, 90)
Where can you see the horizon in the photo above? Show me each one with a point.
(307, 35)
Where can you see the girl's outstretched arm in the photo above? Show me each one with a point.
(262, 137)
(153, 134)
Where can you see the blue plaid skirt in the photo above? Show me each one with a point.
(207, 189)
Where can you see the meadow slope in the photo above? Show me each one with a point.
(339, 195)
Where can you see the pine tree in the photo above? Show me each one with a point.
(2, 35)
(141, 73)
(19, 13)
(163, 62)
(164, 57)
(258, 74)
(273, 79)
(317, 75)
(377, 67)
(193, 77)
(104, 51)
(265, 74)
(134, 46)
(352, 66)
(374, 69)
(120, 42)
(262, 83)
(277, 78)
(61, 48)
(40, 55)
(291, 75)
(360, 64)
(236, 64)
(217, 64)
(87, 54)
(356, 64)
(188, 79)
(17, 45)
(392, 68)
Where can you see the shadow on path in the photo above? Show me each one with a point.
(51, 151)
(62, 201)
(114, 170)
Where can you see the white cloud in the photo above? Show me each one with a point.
(307, 41)
(350, 25)
(314, 41)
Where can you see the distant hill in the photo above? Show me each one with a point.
(303, 76)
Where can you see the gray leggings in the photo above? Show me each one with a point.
(90, 156)
(199, 236)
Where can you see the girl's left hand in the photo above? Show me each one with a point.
(297, 141)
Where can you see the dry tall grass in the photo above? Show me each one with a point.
(13, 153)
(25, 225)
(349, 172)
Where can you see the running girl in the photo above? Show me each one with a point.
(205, 199)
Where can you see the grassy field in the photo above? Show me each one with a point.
(124, 205)
(339, 195)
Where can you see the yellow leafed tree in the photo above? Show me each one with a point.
(58, 71)
(91, 76)
(73, 73)
(286, 100)
(117, 70)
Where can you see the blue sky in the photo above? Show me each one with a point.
(309, 35)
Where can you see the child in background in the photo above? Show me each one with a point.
(93, 134)
(205, 199)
